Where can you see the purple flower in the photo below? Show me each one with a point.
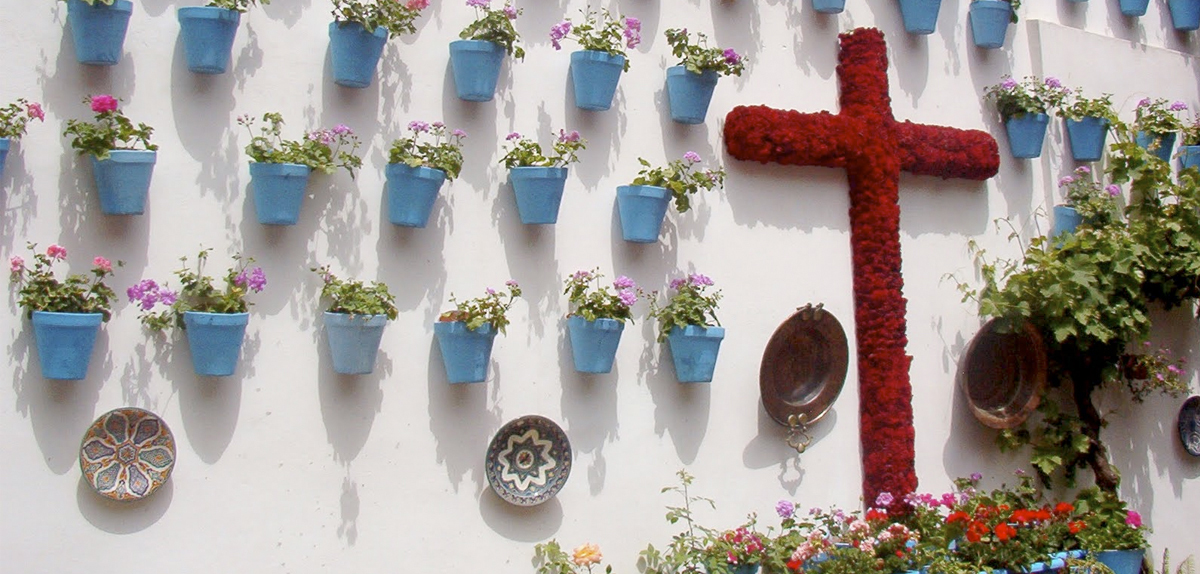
(144, 292)
(582, 275)
(1052, 82)
(478, 3)
(731, 57)
(491, 291)
(437, 125)
(511, 283)
(1065, 180)
(458, 133)
(632, 32)
(513, 136)
(558, 32)
(632, 23)
(1008, 84)
(628, 298)
(418, 126)
(698, 279)
(257, 279)
(677, 283)
(785, 509)
(624, 282)
(976, 477)
(510, 12)
(1178, 106)
(16, 264)
(343, 130)
(692, 157)
(565, 137)
(1113, 190)
(1083, 169)
(1144, 102)
(167, 296)
(884, 500)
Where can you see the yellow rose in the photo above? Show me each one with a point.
(586, 555)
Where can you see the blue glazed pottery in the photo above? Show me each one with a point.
(1165, 143)
(215, 340)
(123, 180)
(1122, 561)
(4, 145)
(476, 68)
(594, 343)
(1087, 137)
(694, 352)
(989, 22)
(1185, 14)
(920, 16)
(411, 192)
(355, 53)
(539, 192)
(690, 94)
(98, 30)
(354, 341)
(1066, 219)
(1134, 7)
(829, 6)
(594, 75)
(642, 209)
(64, 342)
(1026, 133)
(278, 190)
(208, 35)
(465, 353)
(1189, 156)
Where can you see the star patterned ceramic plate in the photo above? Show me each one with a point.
(127, 454)
(528, 461)
(1189, 425)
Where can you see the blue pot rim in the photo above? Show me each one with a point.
(652, 191)
(1098, 119)
(460, 328)
(707, 76)
(5, 143)
(67, 318)
(992, 5)
(208, 13)
(130, 156)
(475, 46)
(600, 323)
(598, 56)
(273, 168)
(421, 171)
(1025, 116)
(118, 5)
(379, 32)
(355, 320)
(537, 172)
(217, 318)
(698, 331)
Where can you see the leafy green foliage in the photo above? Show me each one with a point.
(197, 292)
(1076, 107)
(110, 130)
(1108, 523)
(1157, 117)
(1029, 96)
(551, 559)
(354, 297)
(489, 309)
(687, 552)
(1058, 442)
(698, 57)
(600, 32)
(395, 16)
(321, 150)
(496, 26)
(40, 290)
(236, 5)
(1191, 132)
(690, 305)
(592, 301)
(444, 152)
(678, 177)
(16, 116)
(526, 152)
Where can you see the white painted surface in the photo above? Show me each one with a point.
(286, 467)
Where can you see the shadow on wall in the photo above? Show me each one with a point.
(682, 410)
(589, 406)
(520, 523)
(770, 448)
(463, 418)
(530, 253)
(349, 403)
(129, 517)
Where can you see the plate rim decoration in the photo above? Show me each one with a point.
(1190, 407)
(808, 319)
(89, 464)
(1031, 361)
(501, 443)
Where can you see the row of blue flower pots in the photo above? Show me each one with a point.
(1087, 137)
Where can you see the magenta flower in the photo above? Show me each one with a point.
(103, 103)
(565, 137)
(1113, 190)
(785, 509)
(1143, 102)
(458, 133)
(1053, 82)
(976, 477)
(35, 111)
(558, 32)
(478, 3)
(692, 157)
(582, 275)
(1083, 169)
(1132, 518)
(437, 125)
(57, 251)
(257, 279)
(491, 291)
(16, 264)
(167, 297)
(884, 499)
(513, 136)
(677, 283)
(628, 298)
(698, 279)
(417, 5)
(1178, 106)
(624, 282)
(1065, 180)
(510, 12)
(102, 264)
(343, 130)
(1008, 84)
(511, 283)
(731, 57)
(418, 126)
(632, 32)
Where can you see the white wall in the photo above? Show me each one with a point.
(286, 467)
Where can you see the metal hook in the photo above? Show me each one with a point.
(798, 425)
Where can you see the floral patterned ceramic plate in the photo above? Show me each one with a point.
(804, 366)
(1189, 425)
(528, 461)
(127, 454)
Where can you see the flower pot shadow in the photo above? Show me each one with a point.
(344, 219)
(479, 120)
(416, 273)
(349, 403)
(739, 24)
(122, 517)
(530, 253)
(1130, 28)
(1074, 14)
(680, 410)
(287, 12)
(461, 418)
(589, 407)
(17, 195)
(209, 406)
(195, 100)
(520, 523)
(604, 131)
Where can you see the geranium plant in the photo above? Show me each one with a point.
(591, 300)
(1157, 117)
(397, 17)
(40, 290)
(527, 153)
(1096, 205)
(741, 546)
(323, 150)
(698, 57)
(197, 292)
(1076, 107)
(1109, 524)
(109, 131)
(1191, 132)
(495, 26)
(353, 297)
(551, 559)
(236, 5)
(692, 304)
(600, 32)
(680, 179)
(687, 552)
(16, 116)
(444, 152)
(1029, 96)
(490, 309)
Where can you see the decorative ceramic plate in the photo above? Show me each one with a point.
(1003, 373)
(804, 366)
(1189, 425)
(528, 461)
(127, 454)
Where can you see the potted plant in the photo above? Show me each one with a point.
(920, 16)
(642, 205)
(551, 559)
(121, 171)
(990, 19)
(698, 548)
(358, 32)
(1087, 121)
(66, 315)
(597, 318)
(465, 334)
(416, 170)
(1185, 14)
(208, 32)
(279, 168)
(1189, 150)
(1112, 532)
(354, 321)
(1023, 106)
(1086, 201)
(1155, 126)
(596, 69)
(690, 84)
(475, 59)
(1133, 7)
(829, 6)
(537, 180)
(689, 325)
(14, 118)
(98, 29)
(214, 319)
(742, 549)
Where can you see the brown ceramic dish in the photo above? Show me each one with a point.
(804, 366)
(1003, 373)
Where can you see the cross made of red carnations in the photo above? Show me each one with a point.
(873, 147)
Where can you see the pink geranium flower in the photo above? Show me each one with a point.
(103, 103)
(57, 251)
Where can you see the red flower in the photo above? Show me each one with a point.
(876, 514)
(1022, 516)
(977, 531)
(1075, 527)
(1064, 508)
(957, 516)
(1005, 532)
(794, 564)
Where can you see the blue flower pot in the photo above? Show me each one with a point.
(278, 190)
(465, 353)
(1066, 219)
(829, 6)
(411, 192)
(215, 340)
(989, 22)
(1185, 14)
(743, 569)
(539, 192)
(1134, 7)
(1087, 137)
(64, 342)
(694, 352)
(98, 30)
(594, 75)
(1122, 561)
(355, 53)
(920, 16)
(476, 68)
(354, 341)
(690, 93)
(1026, 133)
(594, 343)
(4, 144)
(1166, 143)
(1189, 156)
(208, 35)
(123, 180)
(642, 209)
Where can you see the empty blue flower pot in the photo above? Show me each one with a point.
(355, 53)
(465, 353)
(1087, 137)
(1066, 219)
(539, 192)
(215, 340)
(642, 209)
(1185, 14)
(1122, 561)
(1026, 133)
(594, 75)
(123, 180)
(208, 35)
(1165, 143)
(98, 30)
(64, 342)
(1189, 156)
(4, 144)
(1134, 7)
(920, 16)
(476, 68)
(594, 343)
(411, 192)
(354, 341)
(989, 22)
(279, 190)
(829, 6)
(690, 94)
(694, 352)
